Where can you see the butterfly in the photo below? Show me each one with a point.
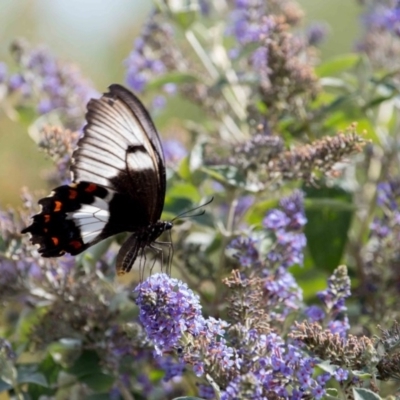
(118, 184)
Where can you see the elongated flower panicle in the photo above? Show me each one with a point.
(381, 38)
(287, 223)
(168, 309)
(52, 84)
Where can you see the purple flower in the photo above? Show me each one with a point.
(168, 308)
(316, 33)
(341, 374)
(293, 207)
(44, 106)
(16, 82)
(286, 223)
(245, 251)
(206, 391)
(50, 84)
(159, 102)
(171, 367)
(339, 327)
(170, 88)
(323, 378)
(136, 80)
(337, 291)
(318, 392)
(282, 292)
(315, 313)
(174, 151)
(275, 220)
(385, 17)
(388, 194)
(147, 59)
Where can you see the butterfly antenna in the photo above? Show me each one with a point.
(186, 214)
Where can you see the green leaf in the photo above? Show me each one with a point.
(172, 77)
(185, 191)
(26, 115)
(327, 367)
(337, 65)
(184, 12)
(230, 175)
(184, 169)
(49, 368)
(364, 394)
(329, 212)
(98, 396)
(98, 381)
(87, 363)
(362, 374)
(65, 352)
(26, 376)
(175, 206)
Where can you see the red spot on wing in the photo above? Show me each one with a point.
(55, 240)
(46, 218)
(91, 188)
(72, 194)
(75, 244)
(57, 206)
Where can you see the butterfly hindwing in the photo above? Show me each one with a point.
(72, 219)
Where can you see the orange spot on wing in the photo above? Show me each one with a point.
(75, 244)
(91, 188)
(46, 218)
(55, 240)
(57, 206)
(72, 194)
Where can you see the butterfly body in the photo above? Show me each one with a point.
(118, 184)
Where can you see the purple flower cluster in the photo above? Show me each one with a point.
(245, 251)
(333, 298)
(171, 314)
(388, 195)
(316, 33)
(384, 17)
(148, 60)
(168, 309)
(249, 25)
(206, 391)
(282, 292)
(141, 66)
(282, 370)
(53, 85)
(173, 368)
(336, 293)
(287, 223)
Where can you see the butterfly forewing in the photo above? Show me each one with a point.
(121, 149)
(118, 184)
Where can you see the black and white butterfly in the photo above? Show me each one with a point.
(118, 184)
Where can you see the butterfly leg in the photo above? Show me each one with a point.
(142, 264)
(169, 257)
